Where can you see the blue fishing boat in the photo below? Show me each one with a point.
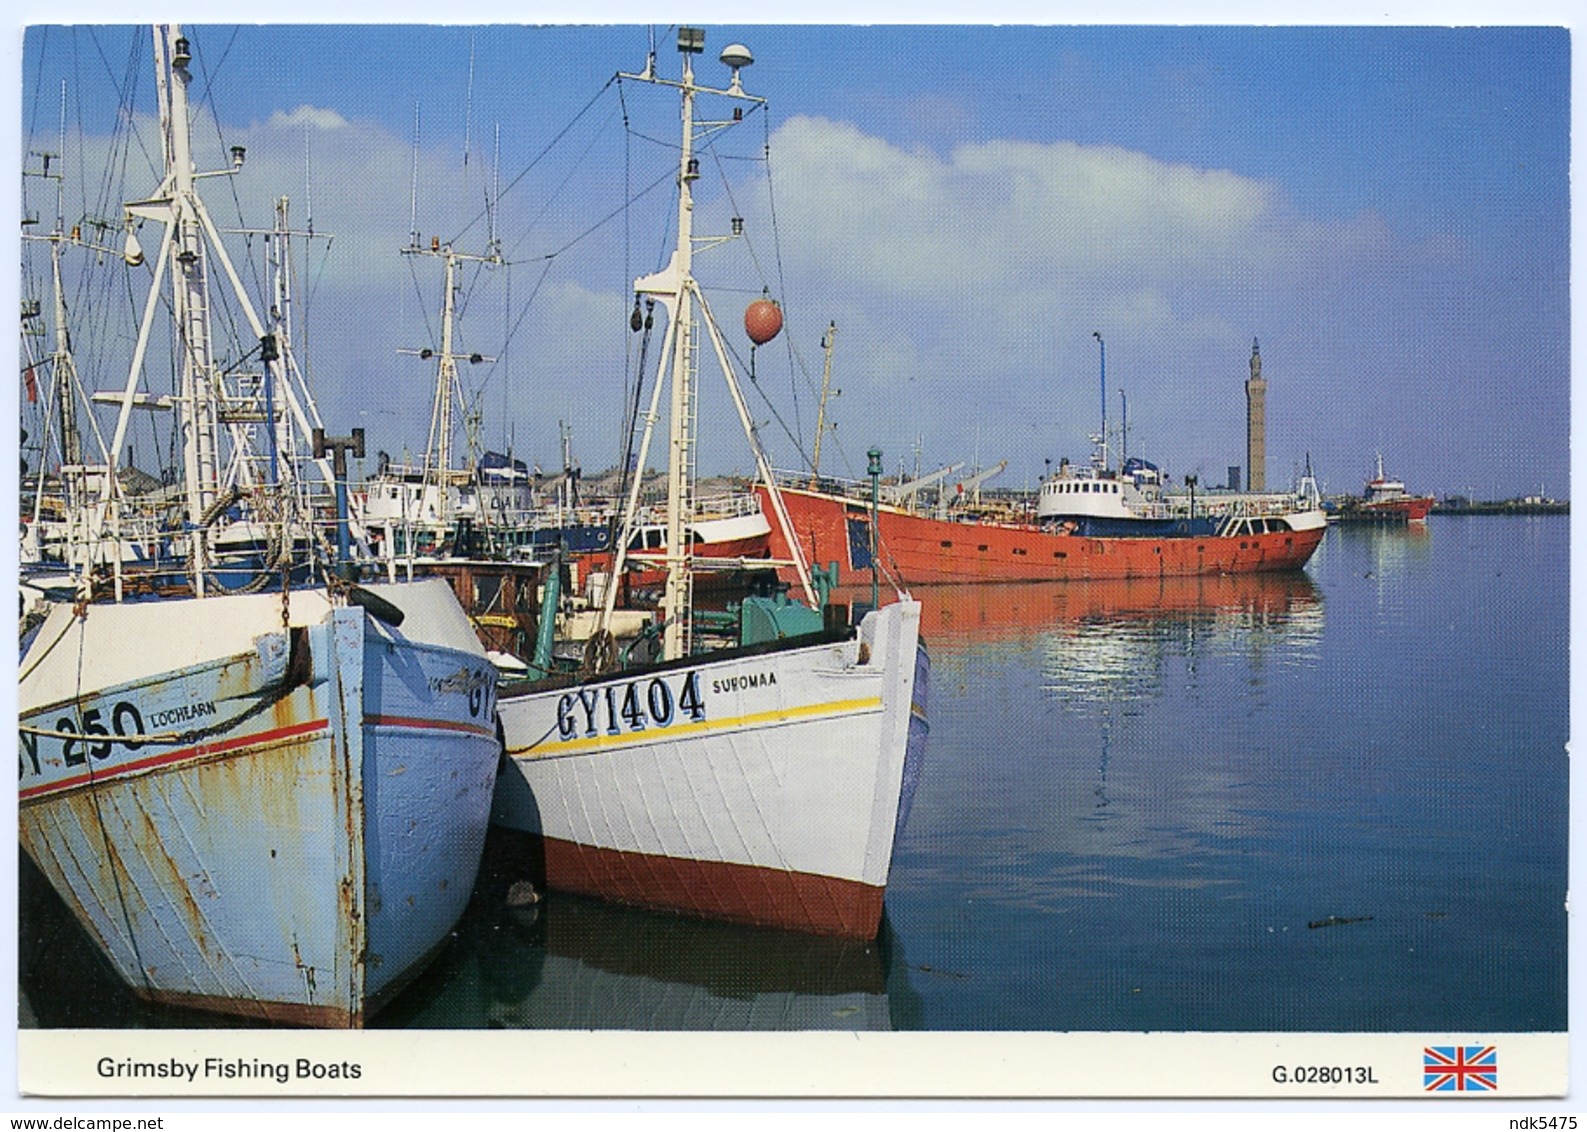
(273, 803)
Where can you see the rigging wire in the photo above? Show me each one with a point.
(535, 161)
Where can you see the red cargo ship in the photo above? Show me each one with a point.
(917, 550)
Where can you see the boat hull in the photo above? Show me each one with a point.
(277, 824)
(766, 786)
(919, 550)
(1412, 509)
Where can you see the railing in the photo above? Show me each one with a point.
(727, 506)
(1215, 506)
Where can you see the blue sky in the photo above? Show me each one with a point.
(1386, 209)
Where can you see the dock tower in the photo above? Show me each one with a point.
(1256, 423)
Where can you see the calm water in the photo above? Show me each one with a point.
(1330, 801)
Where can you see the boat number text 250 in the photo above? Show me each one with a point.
(94, 736)
(633, 706)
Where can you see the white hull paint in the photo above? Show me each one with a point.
(282, 824)
(765, 787)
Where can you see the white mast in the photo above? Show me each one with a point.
(678, 598)
(189, 292)
(189, 236)
(448, 390)
(676, 289)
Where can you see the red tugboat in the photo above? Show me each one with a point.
(1388, 501)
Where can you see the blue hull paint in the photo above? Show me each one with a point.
(268, 838)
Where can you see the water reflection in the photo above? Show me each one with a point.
(1386, 556)
(564, 963)
(570, 963)
(1115, 645)
(1105, 737)
(983, 613)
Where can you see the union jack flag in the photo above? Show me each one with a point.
(1460, 1069)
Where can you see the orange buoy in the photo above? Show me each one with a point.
(762, 321)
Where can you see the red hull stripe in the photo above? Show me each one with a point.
(170, 758)
(428, 724)
(745, 894)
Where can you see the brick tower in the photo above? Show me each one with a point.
(1256, 423)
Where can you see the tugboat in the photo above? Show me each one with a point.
(1386, 500)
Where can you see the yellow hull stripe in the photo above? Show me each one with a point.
(550, 748)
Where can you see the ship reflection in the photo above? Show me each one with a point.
(1385, 555)
(1019, 609)
(1103, 640)
(1113, 645)
(1391, 548)
(572, 963)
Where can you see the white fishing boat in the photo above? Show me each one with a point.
(418, 511)
(763, 782)
(272, 803)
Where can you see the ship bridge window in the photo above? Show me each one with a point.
(486, 588)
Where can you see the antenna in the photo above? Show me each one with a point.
(495, 188)
(308, 182)
(650, 57)
(737, 56)
(60, 148)
(413, 190)
(468, 104)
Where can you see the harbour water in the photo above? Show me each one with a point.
(1330, 801)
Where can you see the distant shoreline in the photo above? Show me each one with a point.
(1507, 507)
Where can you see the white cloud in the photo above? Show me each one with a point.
(926, 226)
(316, 117)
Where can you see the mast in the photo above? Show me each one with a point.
(280, 336)
(568, 492)
(189, 238)
(61, 405)
(677, 599)
(63, 367)
(821, 413)
(448, 389)
(676, 289)
(1101, 458)
(189, 293)
(1124, 430)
